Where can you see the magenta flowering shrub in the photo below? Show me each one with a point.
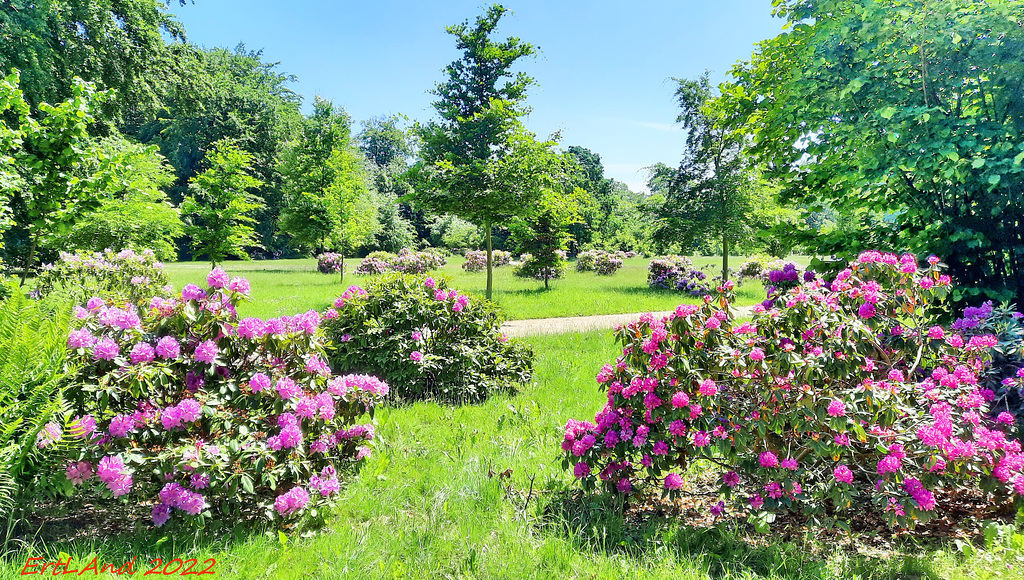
(425, 339)
(606, 264)
(197, 414)
(125, 275)
(330, 263)
(411, 262)
(838, 396)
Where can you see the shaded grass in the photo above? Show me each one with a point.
(432, 503)
(290, 286)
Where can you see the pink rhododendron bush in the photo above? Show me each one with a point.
(194, 414)
(841, 397)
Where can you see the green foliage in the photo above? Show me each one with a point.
(477, 162)
(133, 212)
(427, 342)
(227, 94)
(61, 170)
(33, 373)
(326, 203)
(905, 118)
(218, 210)
(117, 45)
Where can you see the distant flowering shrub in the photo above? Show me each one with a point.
(606, 264)
(476, 260)
(330, 263)
(125, 275)
(677, 273)
(375, 263)
(411, 262)
(585, 260)
(195, 413)
(426, 340)
(600, 261)
(528, 268)
(751, 268)
(408, 261)
(817, 401)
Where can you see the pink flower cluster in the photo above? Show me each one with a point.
(113, 472)
(292, 501)
(857, 382)
(264, 384)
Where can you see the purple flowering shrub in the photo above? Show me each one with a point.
(196, 414)
(677, 273)
(425, 339)
(1007, 325)
(836, 397)
(330, 263)
(125, 275)
(781, 276)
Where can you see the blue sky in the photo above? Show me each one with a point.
(604, 72)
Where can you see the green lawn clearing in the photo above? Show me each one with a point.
(290, 286)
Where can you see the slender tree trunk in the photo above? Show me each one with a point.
(489, 270)
(31, 256)
(725, 257)
(545, 279)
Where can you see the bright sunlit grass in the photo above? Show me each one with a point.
(290, 286)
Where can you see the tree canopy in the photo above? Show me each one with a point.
(906, 117)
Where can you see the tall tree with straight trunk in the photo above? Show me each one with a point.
(712, 193)
(479, 106)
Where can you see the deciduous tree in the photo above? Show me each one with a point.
(218, 211)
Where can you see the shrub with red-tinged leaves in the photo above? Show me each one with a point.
(839, 395)
(194, 413)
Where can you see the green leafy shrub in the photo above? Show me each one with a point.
(839, 397)
(189, 411)
(125, 275)
(426, 340)
(33, 373)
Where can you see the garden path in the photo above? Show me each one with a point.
(534, 326)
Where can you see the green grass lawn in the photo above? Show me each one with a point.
(290, 286)
(431, 503)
